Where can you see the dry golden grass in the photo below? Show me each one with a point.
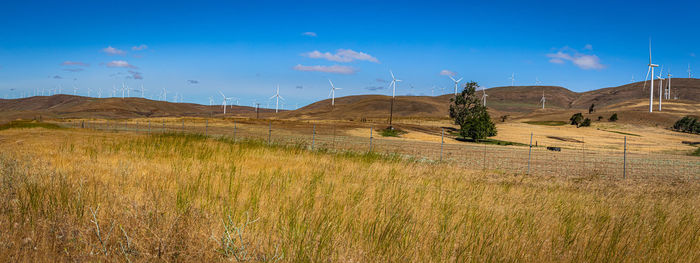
(186, 197)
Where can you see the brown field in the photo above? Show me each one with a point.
(82, 195)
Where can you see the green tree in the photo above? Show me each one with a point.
(591, 108)
(468, 112)
(576, 119)
(613, 117)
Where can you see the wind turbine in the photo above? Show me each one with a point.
(165, 95)
(543, 99)
(223, 102)
(142, 90)
(689, 75)
(277, 97)
(483, 97)
(393, 95)
(661, 85)
(123, 89)
(537, 81)
(332, 94)
(651, 87)
(75, 89)
(456, 83)
(512, 79)
(211, 101)
(99, 94)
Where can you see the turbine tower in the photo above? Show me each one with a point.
(332, 94)
(277, 97)
(483, 97)
(512, 79)
(393, 93)
(456, 83)
(668, 89)
(661, 85)
(689, 75)
(651, 87)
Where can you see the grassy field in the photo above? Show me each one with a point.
(77, 195)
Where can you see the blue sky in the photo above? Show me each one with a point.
(246, 48)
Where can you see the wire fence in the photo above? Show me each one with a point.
(624, 161)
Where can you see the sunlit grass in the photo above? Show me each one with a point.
(178, 197)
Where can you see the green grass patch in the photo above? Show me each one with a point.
(696, 152)
(547, 123)
(624, 133)
(28, 125)
(391, 132)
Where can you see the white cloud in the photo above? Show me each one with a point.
(74, 63)
(588, 47)
(328, 69)
(582, 61)
(309, 34)
(113, 51)
(139, 47)
(120, 64)
(342, 55)
(445, 72)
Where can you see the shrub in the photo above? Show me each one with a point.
(600, 118)
(613, 117)
(688, 124)
(576, 119)
(586, 122)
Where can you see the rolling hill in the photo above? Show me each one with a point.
(69, 106)
(521, 102)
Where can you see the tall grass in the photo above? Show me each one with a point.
(87, 196)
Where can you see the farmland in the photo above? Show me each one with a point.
(78, 194)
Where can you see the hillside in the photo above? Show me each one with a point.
(513, 100)
(69, 106)
(520, 102)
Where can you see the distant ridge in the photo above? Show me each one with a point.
(70, 106)
(501, 100)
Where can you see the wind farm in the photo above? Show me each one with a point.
(271, 132)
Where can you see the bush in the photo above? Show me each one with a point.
(688, 124)
(586, 122)
(576, 119)
(613, 117)
(600, 118)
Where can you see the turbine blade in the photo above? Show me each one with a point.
(460, 79)
(645, 78)
(392, 74)
(453, 79)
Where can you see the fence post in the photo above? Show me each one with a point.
(442, 141)
(82, 124)
(313, 138)
(529, 155)
(624, 161)
(206, 127)
(234, 131)
(149, 126)
(371, 131)
(163, 126)
(269, 132)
